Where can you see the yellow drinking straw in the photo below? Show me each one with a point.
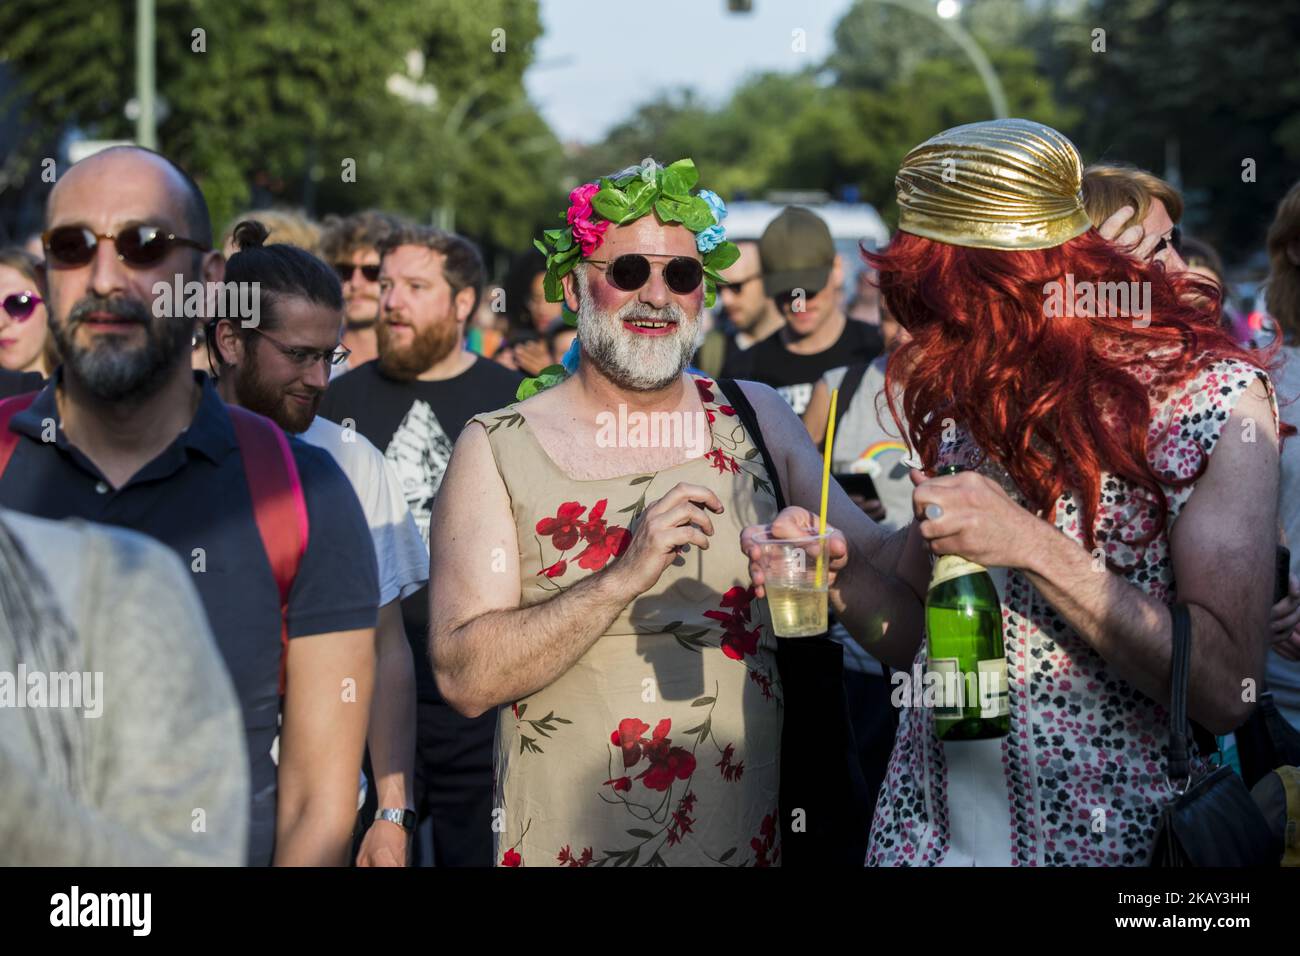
(826, 479)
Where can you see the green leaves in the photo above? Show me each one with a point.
(679, 178)
(721, 256)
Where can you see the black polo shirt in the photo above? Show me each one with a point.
(194, 496)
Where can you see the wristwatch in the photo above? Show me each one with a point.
(403, 818)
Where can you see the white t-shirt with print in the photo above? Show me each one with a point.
(399, 548)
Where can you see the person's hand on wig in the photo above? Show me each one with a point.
(1134, 240)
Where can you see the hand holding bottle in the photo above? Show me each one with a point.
(970, 515)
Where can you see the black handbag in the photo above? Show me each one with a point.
(1212, 820)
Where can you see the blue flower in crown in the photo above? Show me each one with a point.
(706, 240)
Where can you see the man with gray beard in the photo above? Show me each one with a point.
(593, 594)
(127, 434)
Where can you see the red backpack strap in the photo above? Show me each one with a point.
(279, 506)
(10, 407)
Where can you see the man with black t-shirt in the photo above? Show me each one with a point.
(802, 273)
(412, 403)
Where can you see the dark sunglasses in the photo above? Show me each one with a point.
(1173, 240)
(21, 305)
(140, 246)
(630, 272)
(306, 358)
(738, 284)
(346, 270)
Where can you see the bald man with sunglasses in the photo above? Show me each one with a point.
(127, 434)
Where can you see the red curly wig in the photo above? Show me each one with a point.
(1054, 400)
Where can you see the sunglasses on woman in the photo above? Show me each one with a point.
(21, 305)
(1174, 241)
(631, 271)
(346, 270)
(67, 247)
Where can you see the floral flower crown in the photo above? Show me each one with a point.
(593, 206)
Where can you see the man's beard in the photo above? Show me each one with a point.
(639, 363)
(272, 401)
(428, 346)
(112, 370)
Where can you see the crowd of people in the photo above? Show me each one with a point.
(348, 542)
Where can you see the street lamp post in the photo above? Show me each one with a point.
(946, 19)
(146, 128)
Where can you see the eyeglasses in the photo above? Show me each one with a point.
(306, 358)
(21, 305)
(738, 284)
(1174, 241)
(140, 246)
(346, 270)
(631, 271)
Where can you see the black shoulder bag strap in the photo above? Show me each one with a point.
(1180, 767)
(736, 396)
(853, 377)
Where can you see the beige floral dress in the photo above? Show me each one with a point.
(660, 746)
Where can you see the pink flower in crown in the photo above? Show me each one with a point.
(589, 234)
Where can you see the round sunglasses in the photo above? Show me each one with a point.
(67, 247)
(631, 271)
(21, 305)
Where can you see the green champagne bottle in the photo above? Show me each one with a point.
(967, 665)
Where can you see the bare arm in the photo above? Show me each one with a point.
(818, 413)
(871, 595)
(1222, 547)
(326, 711)
(487, 650)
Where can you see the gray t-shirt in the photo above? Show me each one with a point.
(867, 442)
(165, 758)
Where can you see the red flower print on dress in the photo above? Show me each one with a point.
(682, 822)
(705, 387)
(722, 461)
(511, 858)
(730, 772)
(565, 529)
(620, 784)
(667, 763)
(603, 542)
(762, 847)
(628, 738)
(566, 857)
(739, 638)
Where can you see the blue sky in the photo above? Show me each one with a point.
(599, 59)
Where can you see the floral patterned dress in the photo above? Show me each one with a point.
(1084, 763)
(660, 746)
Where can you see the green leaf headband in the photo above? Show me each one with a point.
(593, 206)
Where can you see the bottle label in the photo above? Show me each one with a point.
(993, 688)
(949, 566)
(951, 689)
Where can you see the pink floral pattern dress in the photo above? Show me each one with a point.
(1084, 763)
(660, 746)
